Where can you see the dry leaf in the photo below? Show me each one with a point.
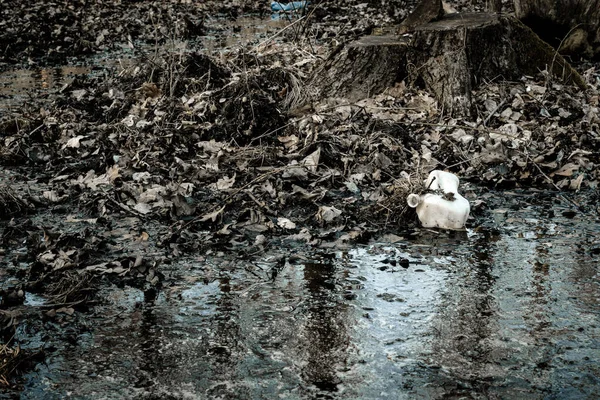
(142, 208)
(268, 188)
(295, 170)
(92, 181)
(213, 215)
(576, 183)
(311, 162)
(143, 237)
(211, 146)
(289, 142)
(304, 235)
(224, 183)
(52, 196)
(327, 214)
(66, 310)
(286, 223)
(155, 193)
(74, 142)
(566, 170)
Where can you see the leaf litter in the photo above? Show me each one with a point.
(188, 152)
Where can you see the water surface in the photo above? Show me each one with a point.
(505, 310)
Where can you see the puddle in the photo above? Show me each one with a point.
(17, 85)
(244, 31)
(16, 81)
(33, 300)
(508, 312)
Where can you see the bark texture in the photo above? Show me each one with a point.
(448, 57)
(575, 23)
(363, 68)
(426, 11)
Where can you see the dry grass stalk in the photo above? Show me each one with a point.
(10, 357)
(10, 202)
(395, 204)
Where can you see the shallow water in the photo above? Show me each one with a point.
(506, 310)
(19, 85)
(242, 32)
(17, 81)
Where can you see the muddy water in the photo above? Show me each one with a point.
(244, 31)
(21, 80)
(18, 85)
(508, 309)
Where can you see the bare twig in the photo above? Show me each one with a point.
(552, 183)
(278, 33)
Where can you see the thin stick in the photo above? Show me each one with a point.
(278, 33)
(553, 184)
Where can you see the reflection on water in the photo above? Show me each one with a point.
(466, 320)
(15, 82)
(500, 313)
(325, 328)
(242, 32)
(17, 85)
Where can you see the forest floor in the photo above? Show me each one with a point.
(191, 133)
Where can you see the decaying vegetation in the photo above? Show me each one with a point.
(184, 152)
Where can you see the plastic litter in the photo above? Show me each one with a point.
(292, 6)
(441, 206)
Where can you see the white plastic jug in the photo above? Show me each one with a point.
(442, 207)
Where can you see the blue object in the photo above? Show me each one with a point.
(293, 6)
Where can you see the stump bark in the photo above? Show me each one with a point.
(448, 57)
(573, 25)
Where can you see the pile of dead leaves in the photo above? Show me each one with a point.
(51, 31)
(221, 152)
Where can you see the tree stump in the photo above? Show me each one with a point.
(572, 25)
(448, 57)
